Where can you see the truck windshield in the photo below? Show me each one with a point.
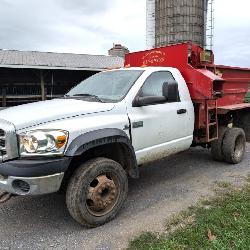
(106, 86)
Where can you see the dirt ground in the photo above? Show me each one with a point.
(164, 188)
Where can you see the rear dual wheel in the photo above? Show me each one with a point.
(216, 145)
(230, 146)
(96, 192)
(234, 145)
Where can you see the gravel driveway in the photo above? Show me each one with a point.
(163, 189)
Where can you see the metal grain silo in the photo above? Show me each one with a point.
(176, 21)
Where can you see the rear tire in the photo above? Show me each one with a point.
(216, 146)
(96, 192)
(233, 145)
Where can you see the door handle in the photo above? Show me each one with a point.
(181, 111)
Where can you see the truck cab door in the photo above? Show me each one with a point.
(162, 128)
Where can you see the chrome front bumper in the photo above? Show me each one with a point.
(31, 185)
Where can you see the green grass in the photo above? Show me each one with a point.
(223, 184)
(227, 217)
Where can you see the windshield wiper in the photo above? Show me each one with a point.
(89, 95)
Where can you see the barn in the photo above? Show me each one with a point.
(29, 76)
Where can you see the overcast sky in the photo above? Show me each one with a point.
(92, 26)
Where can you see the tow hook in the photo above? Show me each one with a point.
(5, 196)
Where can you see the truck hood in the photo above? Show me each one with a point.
(28, 115)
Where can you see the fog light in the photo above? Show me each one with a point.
(21, 187)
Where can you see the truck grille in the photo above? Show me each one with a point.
(2, 133)
(2, 143)
(8, 141)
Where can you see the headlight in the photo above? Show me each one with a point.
(40, 142)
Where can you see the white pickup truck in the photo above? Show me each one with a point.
(91, 140)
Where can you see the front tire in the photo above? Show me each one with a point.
(96, 192)
(233, 146)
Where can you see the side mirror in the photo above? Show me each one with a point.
(148, 100)
(170, 91)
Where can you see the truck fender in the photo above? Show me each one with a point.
(100, 137)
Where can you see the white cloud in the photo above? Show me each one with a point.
(232, 32)
(72, 26)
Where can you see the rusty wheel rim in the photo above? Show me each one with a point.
(102, 194)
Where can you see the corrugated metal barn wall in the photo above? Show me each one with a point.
(180, 21)
(20, 86)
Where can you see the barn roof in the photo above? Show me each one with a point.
(51, 60)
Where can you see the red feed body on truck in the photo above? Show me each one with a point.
(214, 89)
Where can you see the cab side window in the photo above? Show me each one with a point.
(154, 83)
